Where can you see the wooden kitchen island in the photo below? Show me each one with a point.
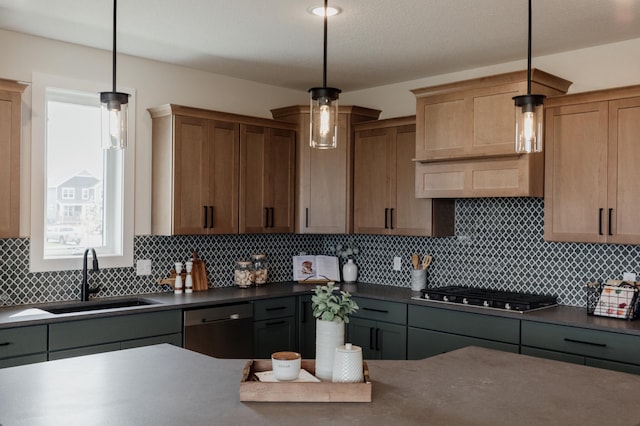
(166, 385)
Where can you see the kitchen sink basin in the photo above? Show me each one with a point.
(97, 305)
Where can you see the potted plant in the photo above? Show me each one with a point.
(331, 310)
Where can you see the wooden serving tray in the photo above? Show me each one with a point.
(253, 390)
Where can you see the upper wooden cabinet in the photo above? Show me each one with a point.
(465, 142)
(324, 177)
(266, 179)
(10, 123)
(384, 175)
(592, 183)
(196, 169)
(475, 118)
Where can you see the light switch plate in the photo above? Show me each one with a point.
(397, 263)
(628, 276)
(143, 267)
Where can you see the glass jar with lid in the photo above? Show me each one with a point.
(243, 273)
(260, 268)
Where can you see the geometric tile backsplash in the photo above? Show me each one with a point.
(498, 243)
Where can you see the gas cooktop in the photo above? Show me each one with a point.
(488, 298)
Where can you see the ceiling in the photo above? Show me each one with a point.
(371, 43)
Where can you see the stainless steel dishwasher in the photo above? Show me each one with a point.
(221, 331)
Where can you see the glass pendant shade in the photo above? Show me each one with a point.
(529, 123)
(114, 107)
(323, 115)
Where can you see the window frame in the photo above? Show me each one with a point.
(37, 263)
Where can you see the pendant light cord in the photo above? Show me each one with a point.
(528, 56)
(114, 44)
(324, 59)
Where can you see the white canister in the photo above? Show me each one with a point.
(349, 272)
(347, 364)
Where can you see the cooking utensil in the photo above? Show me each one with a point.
(415, 260)
(426, 261)
(199, 274)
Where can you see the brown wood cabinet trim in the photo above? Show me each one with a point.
(373, 114)
(387, 122)
(173, 109)
(594, 96)
(537, 75)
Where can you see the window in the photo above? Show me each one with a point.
(67, 159)
(68, 193)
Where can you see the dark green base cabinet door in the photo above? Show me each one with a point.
(379, 340)
(274, 335)
(426, 343)
(306, 328)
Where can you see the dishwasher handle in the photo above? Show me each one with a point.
(231, 317)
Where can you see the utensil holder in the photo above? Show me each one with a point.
(418, 279)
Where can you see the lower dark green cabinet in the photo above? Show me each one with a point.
(306, 328)
(23, 345)
(379, 340)
(274, 335)
(427, 343)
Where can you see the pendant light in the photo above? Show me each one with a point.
(114, 107)
(529, 112)
(323, 110)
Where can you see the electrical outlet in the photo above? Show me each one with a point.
(143, 267)
(628, 276)
(397, 263)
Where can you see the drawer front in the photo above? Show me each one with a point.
(426, 343)
(274, 308)
(380, 310)
(582, 341)
(465, 323)
(98, 331)
(23, 341)
(22, 360)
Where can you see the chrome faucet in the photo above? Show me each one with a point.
(85, 291)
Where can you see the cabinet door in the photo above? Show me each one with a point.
(10, 107)
(361, 332)
(576, 173)
(374, 158)
(391, 341)
(266, 179)
(273, 335)
(426, 343)
(306, 328)
(325, 183)
(223, 160)
(279, 180)
(191, 175)
(409, 215)
(623, 216)
(443, 125)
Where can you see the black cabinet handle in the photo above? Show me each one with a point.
(600, 221)
(382, 311)
(600, 345)
(266, 217)
(212, 222)
(304, 312)
(610, 214)
(205, 217)
(276, 308)
(276, 323)
(386, 214)
(391, 218)
(371, 346)
(5, 343)
(377, 339)
(306, 217)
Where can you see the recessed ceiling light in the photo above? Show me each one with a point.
(319, 10)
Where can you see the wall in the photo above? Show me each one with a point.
(156, 83)
(599, 67)
(498, 243)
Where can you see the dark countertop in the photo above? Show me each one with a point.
(564, 315)
(165, 385)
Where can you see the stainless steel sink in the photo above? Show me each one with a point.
(97, 305)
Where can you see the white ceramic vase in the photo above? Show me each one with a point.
(349, 271)
(329, 335)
